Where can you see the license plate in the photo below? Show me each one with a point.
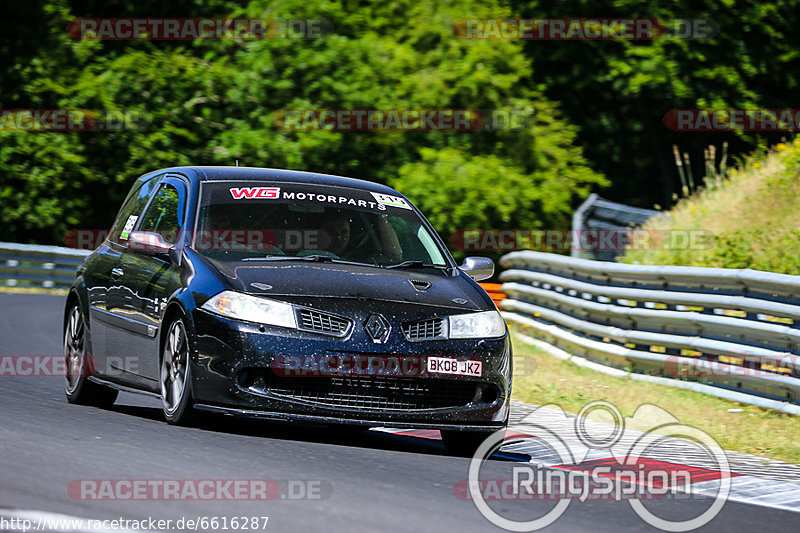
(445, 365)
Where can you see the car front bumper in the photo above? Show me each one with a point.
(239, 368)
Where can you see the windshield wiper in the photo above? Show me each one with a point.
(416, 264)
(319, 258)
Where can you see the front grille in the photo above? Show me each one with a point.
(322, 323)
(375, 392)
(424, 329)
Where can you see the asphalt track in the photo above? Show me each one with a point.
(373, 481)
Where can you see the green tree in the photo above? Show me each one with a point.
(211, 102)
(618, 91)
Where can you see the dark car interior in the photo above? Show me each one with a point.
(238, 231)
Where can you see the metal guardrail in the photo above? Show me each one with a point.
(595, 213)
(27, 265)
(734, 329)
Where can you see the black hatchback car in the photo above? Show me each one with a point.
(287, 295)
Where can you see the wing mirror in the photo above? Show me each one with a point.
(478, 268)
(148, 243)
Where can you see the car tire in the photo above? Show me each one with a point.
(175, 375)
(79, 365)
(464, 443)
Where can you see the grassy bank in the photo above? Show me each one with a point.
(751, 218)
(542, 379)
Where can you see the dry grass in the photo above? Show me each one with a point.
(751, 218)
(32, 290)
(757, 431)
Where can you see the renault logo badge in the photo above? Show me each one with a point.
(377, 328)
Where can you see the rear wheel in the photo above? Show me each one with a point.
(464, 443)
(175, 377)
(80, 365)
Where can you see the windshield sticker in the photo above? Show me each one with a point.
(380, 202)
(393, 201)
(261, 193)
(126, 231)
(332, 199)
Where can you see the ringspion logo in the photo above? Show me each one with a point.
(624, 471)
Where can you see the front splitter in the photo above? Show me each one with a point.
(253, 413)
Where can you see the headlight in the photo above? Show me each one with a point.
(477, 325)
(253, 309)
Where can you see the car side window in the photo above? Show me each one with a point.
(131, 209)
(162, 215)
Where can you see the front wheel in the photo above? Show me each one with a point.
(465, 443)
(175, 376)
(80, 365)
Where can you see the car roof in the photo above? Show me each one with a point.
(220, 173)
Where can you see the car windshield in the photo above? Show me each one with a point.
(270, 221)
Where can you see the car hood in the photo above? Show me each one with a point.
(331, 280)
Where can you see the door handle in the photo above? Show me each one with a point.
(117, 273)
